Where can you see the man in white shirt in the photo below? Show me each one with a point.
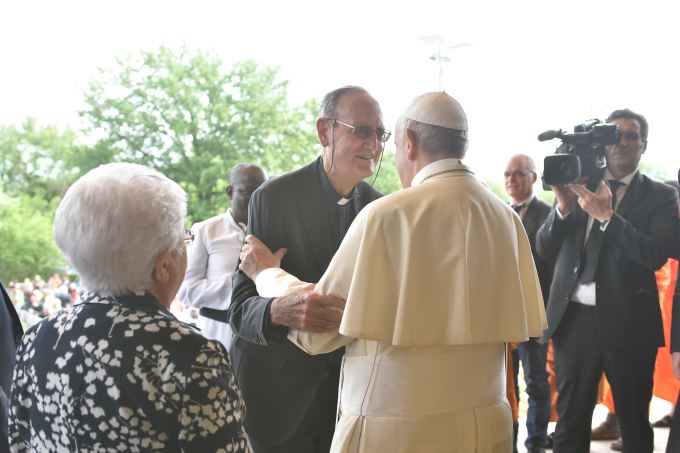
(213, 256)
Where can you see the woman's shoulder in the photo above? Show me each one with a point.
(123, 325)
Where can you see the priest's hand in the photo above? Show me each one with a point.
(256, 257)
(598, 205)
(307, 311)
(675, 360)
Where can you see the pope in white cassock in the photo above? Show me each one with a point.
(436, 278)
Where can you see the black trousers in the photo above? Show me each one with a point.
(580, 359)
(315, 431)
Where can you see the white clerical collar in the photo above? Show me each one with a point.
(429, 170)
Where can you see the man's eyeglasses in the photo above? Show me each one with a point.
(516, 174)
(365, 132)
(188, 237)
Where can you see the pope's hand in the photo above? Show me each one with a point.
(307, 311)
(256, 257)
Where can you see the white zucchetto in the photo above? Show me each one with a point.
(438, 109)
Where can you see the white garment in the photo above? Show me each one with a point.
(211, 263)
(437, 278)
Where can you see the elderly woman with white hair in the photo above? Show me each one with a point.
(118, 372)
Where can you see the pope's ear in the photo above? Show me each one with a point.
(411, 144)
(323, 130)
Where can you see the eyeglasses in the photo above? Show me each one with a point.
(516, 174)
(365, 132)
(188, 237)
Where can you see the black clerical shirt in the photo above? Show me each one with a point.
(340, 210)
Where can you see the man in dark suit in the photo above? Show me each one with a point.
(10, 336)
(603, 312)
(290, 396)
(520, 176)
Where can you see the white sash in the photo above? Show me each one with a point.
(414, 384)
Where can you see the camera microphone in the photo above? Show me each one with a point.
(549, 135)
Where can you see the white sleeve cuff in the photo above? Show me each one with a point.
(275, 282)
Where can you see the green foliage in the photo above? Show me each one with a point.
(497, 188)
(545, 195)
(185, 115)
(388, 178)
(33, 160)
(26, 236)
(658, 173)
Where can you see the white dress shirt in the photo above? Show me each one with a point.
(211, 263)
(585, 292)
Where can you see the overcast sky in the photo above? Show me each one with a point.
(532, 66)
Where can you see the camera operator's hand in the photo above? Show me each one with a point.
(565, 198)
(598, 205)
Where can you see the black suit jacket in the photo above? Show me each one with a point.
(279, 380)
(10, 336)
(637, 241)
(535, 215)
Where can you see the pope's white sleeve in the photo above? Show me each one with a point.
(318, 343)
(275, 282)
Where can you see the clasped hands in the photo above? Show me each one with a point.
(305, 310)
(598, 205)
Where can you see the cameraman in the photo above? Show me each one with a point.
(603, 312)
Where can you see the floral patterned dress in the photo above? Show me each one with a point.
(123, 375)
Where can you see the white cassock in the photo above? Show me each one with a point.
(211, 262)
(437, 278)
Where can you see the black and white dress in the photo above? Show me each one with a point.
(123, 374)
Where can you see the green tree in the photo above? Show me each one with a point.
(388, 178)
(33, 160)
(656, 172)
(26, 234)
(188, 116)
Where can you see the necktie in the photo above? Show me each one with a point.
(591, 251)
(518, 207)
(614, 186)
